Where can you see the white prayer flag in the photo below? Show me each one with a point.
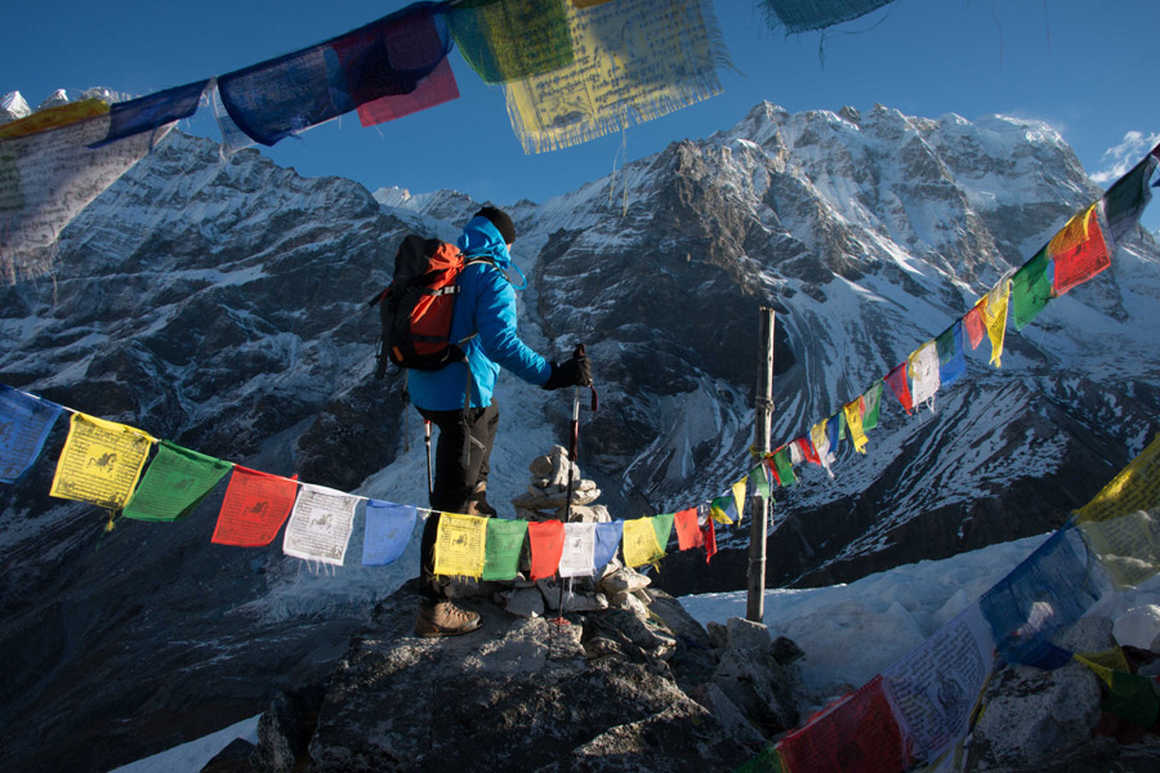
(924, 378)
(320, 525)
(579, 550)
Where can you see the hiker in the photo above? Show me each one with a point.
(485, 311)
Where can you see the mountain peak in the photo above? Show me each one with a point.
(13, 107)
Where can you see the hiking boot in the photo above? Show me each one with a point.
(445, 619)
(478, 505)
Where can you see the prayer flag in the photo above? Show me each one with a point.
(760, 480)
(922, 365)
(176, 481)
(101, 462)
(724, 509)
(804, 15)
(547, 542)
(513, 39)
(859, 733)
(25, 422)
(1078, 251)
(738, 489)
(151, 112)
(807, 448)
(578, 556)
(459, 545)
(952, 361)
(796, 456)
(1130, 696)
(282, 96)
(771, 470)
(255, 507)
(835, 429)
(48, 177)
(1050, 590)
(633, 61)
(872, 402)
(1030, 289)
(54, 118)
(435, 89)
(505, 542)
(973, 323)
(663, 526)
(853, 414)
(821, 441)
(640, 543)
(1125, 201)
(1136, 487)
(1127, 546)
(709, 530)
(1103, 664)
(995, 317)
(607, 541)
(896, 379)
(689, 533)
(784, 467)
(320, 525)
(387, 532)
(768, 760)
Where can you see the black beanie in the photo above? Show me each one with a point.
(501, 221)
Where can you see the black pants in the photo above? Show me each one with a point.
(462, 462)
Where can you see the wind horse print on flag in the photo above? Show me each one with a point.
(48, 176)
(101, 462)
(633, 61)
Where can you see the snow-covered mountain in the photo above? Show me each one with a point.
(221, 304)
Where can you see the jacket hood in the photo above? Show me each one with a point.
(481, 237)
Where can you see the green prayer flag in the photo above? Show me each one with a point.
(760, 480)
(873, 401)
(784, 467)
(502, 547)
(513, 39)
(663, 526)
(1127, 198)
(1031, 289)
(1131, 697)
(768, 761)
(175, 482)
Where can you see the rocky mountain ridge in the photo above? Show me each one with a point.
(220, 304)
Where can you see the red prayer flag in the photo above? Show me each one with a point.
(973, 324)
(710, 534)
(771, 470)
(435, 89)
(255, 507)
(547, 541)
(688, 531)
(1079, 251)
(858, 735)
(898, 384)
(808, 451)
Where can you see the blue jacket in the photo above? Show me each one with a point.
(485, 304)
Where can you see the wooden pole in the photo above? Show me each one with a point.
(758, 523)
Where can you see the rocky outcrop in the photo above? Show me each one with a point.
(592, 693)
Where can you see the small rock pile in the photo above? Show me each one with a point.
(616, 585)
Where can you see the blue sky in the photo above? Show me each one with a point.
(1082, 67)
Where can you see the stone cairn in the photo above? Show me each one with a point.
(616, 585)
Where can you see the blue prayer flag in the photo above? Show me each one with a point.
(952, 361)
(804, 15)
(149, 112)
(607, 541)
(388, 531)
(25, 422)
(1050, 590)
(276, 98)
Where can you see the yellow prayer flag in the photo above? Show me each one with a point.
(1104, 663)
(853, 411)
(460, 545)
(640, 543)
(54, 118)
(819, 438)
(101, 462)
(1136, 487)
(739, 497)
(995, 317)
(1073, 234)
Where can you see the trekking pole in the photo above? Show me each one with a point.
(572, 451)
(427, 440)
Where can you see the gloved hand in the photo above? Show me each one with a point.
(573, 372)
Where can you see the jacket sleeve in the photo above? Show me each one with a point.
(495, 319)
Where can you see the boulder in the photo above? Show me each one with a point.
(1139, 627)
